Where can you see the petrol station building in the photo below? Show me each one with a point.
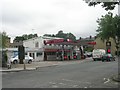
(53, 48)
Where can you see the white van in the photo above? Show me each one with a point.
(97, 54)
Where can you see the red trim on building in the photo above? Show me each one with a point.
(56, 50)
(92, 43)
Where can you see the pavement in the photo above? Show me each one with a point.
(32, 66)
(36, 65)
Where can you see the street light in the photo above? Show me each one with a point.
(117, 45)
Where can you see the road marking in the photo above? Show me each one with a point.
(104, 78)
(62, 83)
(76, 81)
(106, 81)
(52, 83)
(54, 86)
(75, 85)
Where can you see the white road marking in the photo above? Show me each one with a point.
(52, 83)
(75, 81)
(107, 81)
(54, 86)
(62, 83)
(104, 79)
(75, 85)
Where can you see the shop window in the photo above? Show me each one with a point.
(39, 54)
(51, 53)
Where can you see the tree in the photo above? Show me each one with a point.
(109, 27)
(61, 34)
(116, 22)
(117, 32)
(25, 37)
(3, 44)
(48, 35)
(71, 36)
(110, 5)
(3, 39)
(106, 27)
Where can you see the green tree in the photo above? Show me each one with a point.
(3, 39)
(71, 36)
(19, 38)
(106, 27)
(107, 5)
(109, 27)
(3, 44)
(48, 35)
(25, 37)
(65, 35)
(116, 22)
(61, 34)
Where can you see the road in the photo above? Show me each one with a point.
(78, 74)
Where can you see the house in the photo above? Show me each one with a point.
(15, 44)
(100, 44)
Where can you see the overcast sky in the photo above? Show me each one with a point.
(49, 16)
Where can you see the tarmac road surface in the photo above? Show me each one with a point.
(88, 74)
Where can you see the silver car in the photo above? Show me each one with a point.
(15, 60)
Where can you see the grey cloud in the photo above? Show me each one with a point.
(14, 18)
(47, 26)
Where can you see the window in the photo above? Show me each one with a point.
(51, 53)
(37, 44)
(25, 53)
(39, 54)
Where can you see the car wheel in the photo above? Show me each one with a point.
(30, 61)
(15, 62)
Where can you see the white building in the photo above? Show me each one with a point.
(38, 47)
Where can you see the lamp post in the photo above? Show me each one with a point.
(117, 45)
(62, 52)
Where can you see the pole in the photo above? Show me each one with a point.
(24, 65)
(62, 52)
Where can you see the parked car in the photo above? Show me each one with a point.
(88, 54)
(108, 57)
(14, 59)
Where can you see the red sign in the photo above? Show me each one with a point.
(92, 43)
(54, 41)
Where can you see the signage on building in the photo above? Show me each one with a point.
(92, 43)
(56, 41)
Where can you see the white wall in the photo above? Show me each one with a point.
(32, 42)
